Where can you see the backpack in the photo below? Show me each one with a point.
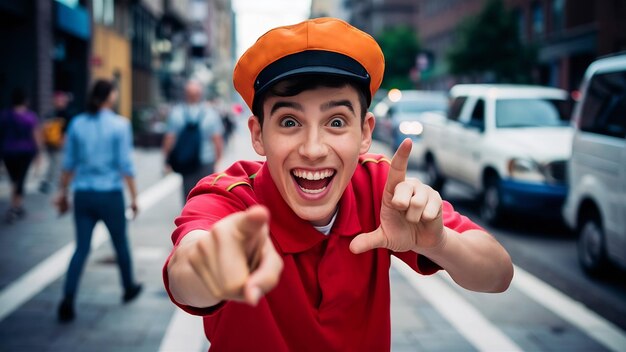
(52, 129)
(184, 158)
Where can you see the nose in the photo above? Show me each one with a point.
(313, 147)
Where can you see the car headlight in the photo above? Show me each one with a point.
(526, 170)
(411, 128)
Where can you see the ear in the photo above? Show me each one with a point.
(256, 135)
(366, 132)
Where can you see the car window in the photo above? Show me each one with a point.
(456, 106)
(530, 113)
(604, 108)
(478, 115)
(416, 107)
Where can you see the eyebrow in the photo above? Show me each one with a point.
(335, 103)
(285, 104)
(324, 107)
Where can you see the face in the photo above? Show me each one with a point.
(312, 142)
(112, 100)
(193, 93)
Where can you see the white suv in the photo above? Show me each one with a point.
(596, 204)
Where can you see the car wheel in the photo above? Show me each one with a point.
(591, 246)
(435, 179)
(491, 206)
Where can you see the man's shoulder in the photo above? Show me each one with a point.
(176, 110)
(372, 168)
(241, 173)
(373, 160)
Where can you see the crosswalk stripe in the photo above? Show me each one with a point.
(50, 269)
(184, 333)
(570, 310)
(470, 323)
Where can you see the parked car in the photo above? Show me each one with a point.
(400, 114)
(508, 143)
(596, 203)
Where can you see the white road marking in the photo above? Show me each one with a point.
(50, 269)
(184, 333)
(598, 328)
(470, 323)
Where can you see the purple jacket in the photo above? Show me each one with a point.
(17, 132)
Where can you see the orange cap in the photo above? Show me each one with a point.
(318, 46)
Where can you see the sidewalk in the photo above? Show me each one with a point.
(102, 322)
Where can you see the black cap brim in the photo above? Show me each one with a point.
(313, 62)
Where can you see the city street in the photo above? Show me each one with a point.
(550, 306)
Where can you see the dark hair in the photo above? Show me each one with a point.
(99, 94)
(296, 85)
(18, 97)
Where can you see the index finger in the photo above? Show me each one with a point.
(252, 220)
(399, 165)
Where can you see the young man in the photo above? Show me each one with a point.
(293, 253)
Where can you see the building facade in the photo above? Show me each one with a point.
(569, 34)
(46, 45)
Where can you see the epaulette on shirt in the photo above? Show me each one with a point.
(239, 174)
(373, 158)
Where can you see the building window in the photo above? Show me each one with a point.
(538, 26)
(558, 15)
(104, 12)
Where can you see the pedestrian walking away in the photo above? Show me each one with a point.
(20, 142)
(97, 161)
(293, 253)
(194, 120)
(54, 126)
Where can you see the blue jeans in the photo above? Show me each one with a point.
(89, 208)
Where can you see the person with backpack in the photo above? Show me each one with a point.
(194, 140)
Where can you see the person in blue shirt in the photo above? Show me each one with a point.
(97, 160)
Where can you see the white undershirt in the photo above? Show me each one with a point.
(326, 228)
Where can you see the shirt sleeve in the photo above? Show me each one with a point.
(206, 206)
(217, 124)
(172, 120)
(126, 150)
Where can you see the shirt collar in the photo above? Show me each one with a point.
(293, 234)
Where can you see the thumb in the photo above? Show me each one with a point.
(367, 241)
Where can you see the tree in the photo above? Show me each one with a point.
(400, 47)
(489, 45)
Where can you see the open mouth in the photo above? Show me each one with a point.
(313, 182)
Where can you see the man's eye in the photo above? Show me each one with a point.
(288, 122)
(337, 122)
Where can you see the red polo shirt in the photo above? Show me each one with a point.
(328, 298)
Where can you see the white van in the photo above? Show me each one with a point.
(596, 203)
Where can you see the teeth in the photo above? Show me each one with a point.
(317, 175)
(313, 191)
